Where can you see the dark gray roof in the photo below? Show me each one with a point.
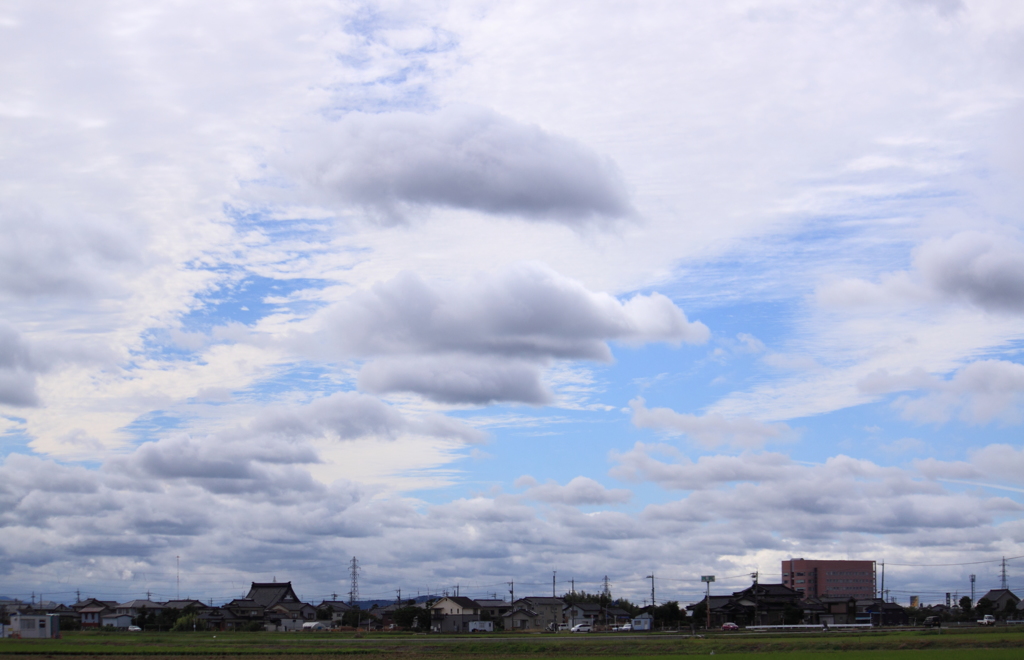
(269, 594)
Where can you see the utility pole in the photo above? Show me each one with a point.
(973, 578)
(651, 578)
(553, 574)
(757, 608)
(399, 597)
(353, 594)
(512, 590)
(177, 575)
(573, 583)
(1002, 575)
(78, 595)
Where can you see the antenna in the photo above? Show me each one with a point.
(973, 578)
(353, 594)
(651, 578)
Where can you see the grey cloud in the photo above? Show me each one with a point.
(985, 270)
(349, 415)
(982, 269)
(526, 312)
(578, 492)
(710, 430)
(49, 252)
(639, 465)
(457, 379)
(461, 157)
(739, 506)
(980, 392)
(17, 369)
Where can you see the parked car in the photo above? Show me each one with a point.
(134, 629)
(988, 620)
(626, 627)
(581, 627)
(728, 625)
(562, 627)
(932, 622)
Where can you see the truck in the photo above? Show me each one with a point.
(987, 620)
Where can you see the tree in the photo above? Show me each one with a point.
(700, 613)
(325, 613)
(985, 606)
(965, 603)
(410, 617)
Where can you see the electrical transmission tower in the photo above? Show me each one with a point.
(1002, 575)
(353, 593)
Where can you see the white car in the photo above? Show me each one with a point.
(581, 627)
(626, 627)
(134, 629)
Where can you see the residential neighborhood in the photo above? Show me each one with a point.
(275, 607)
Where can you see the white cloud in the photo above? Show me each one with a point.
(710, 430)
(578, 492)
(979, 393)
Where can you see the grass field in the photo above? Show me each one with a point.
(989, 644)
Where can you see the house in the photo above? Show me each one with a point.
(268, 594)
(119, 621)
(522, 619)
(548, 610)
(288, 615)
(1003, 601)
(877, 612)
(92, 616)
(454, 614)
(493, 609)
(760, 604)
(830, 610)
(134, 608)
(577, 613)
(336, 608)
(241, 613)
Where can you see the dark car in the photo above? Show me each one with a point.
(933, 622)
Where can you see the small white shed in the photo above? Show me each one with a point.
(643, 622)
(35, 626)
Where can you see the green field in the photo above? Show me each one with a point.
(994, 644)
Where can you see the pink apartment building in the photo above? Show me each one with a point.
(833, 578)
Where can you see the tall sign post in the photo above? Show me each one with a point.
(708, 579)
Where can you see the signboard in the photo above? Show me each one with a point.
(707, 578)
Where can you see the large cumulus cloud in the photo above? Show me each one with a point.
(460, 157)
(488, 339)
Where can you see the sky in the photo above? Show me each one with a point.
(485, 292)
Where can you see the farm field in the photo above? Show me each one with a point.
(995, 644)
